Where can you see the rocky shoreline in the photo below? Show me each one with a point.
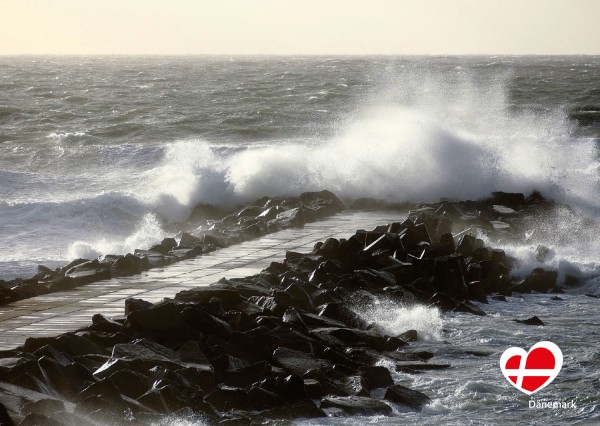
(262, 217)
(284, 344)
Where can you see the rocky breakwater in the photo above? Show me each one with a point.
(287, 343)
(458, 229)
(263, 216)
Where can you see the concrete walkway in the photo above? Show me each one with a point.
(57, 313)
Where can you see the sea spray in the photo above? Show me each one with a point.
(148, 232)
(428, 137)
(565, 240)
(395, 318)
(393, 128)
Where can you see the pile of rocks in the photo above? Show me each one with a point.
(283, 344)
(264, 216)
(503, 218)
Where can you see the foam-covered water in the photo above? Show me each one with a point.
(99, 153)
(474, 391)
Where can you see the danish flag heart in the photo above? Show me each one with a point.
(534, 370)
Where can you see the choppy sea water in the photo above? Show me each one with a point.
(473, 390)
(97, 154)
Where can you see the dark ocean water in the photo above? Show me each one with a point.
(98, 154)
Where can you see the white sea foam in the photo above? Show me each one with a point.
(565, 241)
(395, 319)
(422, 138)
(147, 233)
(430, 140)
(62, 136)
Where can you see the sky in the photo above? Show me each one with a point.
(300, 27)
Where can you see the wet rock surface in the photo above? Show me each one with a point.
(264, 216)
(283, 344)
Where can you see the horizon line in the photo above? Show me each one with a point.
(303, 54)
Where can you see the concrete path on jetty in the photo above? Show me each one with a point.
(56, 313)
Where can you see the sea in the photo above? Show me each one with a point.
(98, 155)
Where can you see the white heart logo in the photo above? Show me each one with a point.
(534, 370)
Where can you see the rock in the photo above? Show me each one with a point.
(412, 367)
(226, 291)
(67, 380)
(206, 322)
(377, 377)
(357, 405)
(130, 265)
(466, 245)
(409, 336)
(89, 272)
(297, 362)
(261, 398)
(42, 406)
(165, 246)
(304, 408)
(469, 308)
(341, 313)
(329, 248)
(156, 318)
(571, 281)
(290, 218)
(217, 241)
(534, 320)
(352, 385)
(246, 375)
(7, 296)
(477, 291)
(291, 387)
(227, 398)
(5, 419)
(405, 396)
(595, 296)
(270, 213)
(132, 384)
(510, 199)
(162, 399)
(250, 211)
(325, 199)
(189, 241)
(36, 419)
(499, 297)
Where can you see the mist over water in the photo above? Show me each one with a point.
(98, 153)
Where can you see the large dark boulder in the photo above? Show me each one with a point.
(513, 200)
(377, 377)
(534, 320)
(5, 419)
(297, 362)
(405, 396)
(130, 265)
(157, 318)
(357, 405)
(88, 272)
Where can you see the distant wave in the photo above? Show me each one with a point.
(64, 136)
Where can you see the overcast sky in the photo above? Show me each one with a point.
(300, 26)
